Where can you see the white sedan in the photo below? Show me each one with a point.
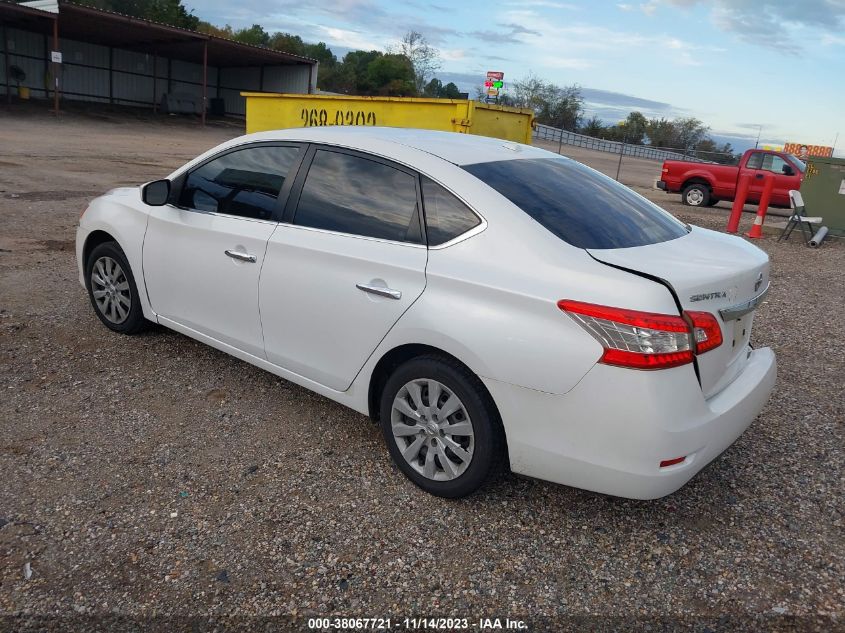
(488, 303)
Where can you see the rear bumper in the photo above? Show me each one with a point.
(661, 185)
(610, 433)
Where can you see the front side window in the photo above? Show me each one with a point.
(577, 204)
(351, 194)
(446, 217)
(243, 183)
(773, 162)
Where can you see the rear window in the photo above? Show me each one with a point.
(579, 205)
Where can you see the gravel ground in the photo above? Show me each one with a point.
(154, 481)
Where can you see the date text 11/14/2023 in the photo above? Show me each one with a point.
(416, 624)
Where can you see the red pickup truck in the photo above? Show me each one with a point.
(704, 184)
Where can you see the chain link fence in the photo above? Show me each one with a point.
(562, 137)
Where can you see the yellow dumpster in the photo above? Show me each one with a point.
(271, 111)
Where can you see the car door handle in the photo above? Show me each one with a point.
(244, 257)
(380, 291)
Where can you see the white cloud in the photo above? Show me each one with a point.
(349, 39)
(547, 4)
(452, 55)
(778, 24)
(649, 7)
(563, 62)
(828, 40)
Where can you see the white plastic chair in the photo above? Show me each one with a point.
(805, 223)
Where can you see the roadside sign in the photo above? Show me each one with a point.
(56, 57)
(494, 83)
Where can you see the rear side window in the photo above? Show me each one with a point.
(579, 205)
(446, 217)
(243, 183)
(351, 194)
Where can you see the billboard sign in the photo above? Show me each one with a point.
(804, 150)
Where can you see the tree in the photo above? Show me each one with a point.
(592, 127)
(433, 88)
(170, 12)
(209, 29)
(425, 59)
(689, 132)
(352, 74)
(552, 105)
(530, 92)
(391, 75)
(660, 132)
(633, 128)
(254, 35)
(565, 107)
(451, 91)
(287, 43)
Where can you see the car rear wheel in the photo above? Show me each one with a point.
(712, 202)
(441, 426)
(112, 290)
(696, 195)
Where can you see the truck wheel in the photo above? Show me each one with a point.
(713, 202)
(696, 195)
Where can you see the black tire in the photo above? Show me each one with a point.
(134, 321)
(712, 202)
(696, 195)
(489, 451)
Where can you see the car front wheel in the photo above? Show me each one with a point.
(441, 426)
(112, 289)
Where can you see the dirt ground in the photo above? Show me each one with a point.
(153, 481)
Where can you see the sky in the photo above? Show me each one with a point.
(735, 64)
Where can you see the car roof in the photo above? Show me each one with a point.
(460, 149)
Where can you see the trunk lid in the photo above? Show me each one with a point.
(709, 272)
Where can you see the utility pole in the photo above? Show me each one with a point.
(759, 130)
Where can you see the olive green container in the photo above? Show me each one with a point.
(823, 191)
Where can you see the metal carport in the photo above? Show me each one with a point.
(113, 58)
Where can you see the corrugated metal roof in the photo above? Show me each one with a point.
(109, 28)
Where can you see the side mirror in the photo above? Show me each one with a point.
(787, 170)
(156, 193)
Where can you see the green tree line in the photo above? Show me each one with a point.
(407, 70)
(563, 107)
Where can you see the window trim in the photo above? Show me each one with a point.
(293, 200)
(178, 183)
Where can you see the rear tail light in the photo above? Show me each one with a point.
(706, 331)
(644, 340)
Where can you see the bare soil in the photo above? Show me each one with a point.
(153, 481)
